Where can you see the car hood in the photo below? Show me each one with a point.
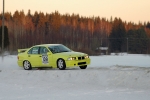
(71, 54)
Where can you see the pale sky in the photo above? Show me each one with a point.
(127, 10)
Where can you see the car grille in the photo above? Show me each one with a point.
(81, 58)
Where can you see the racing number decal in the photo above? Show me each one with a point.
(45, 59)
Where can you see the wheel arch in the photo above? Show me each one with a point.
(61, 64)
(59, 59)
(26, 60)
(27, 67)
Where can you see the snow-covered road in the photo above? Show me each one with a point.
(102, 81)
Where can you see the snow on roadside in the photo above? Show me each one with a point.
(8, 62)
(75, 84)
(115, 77)
(109, 71)
(136, 60)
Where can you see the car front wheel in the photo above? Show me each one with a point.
(27, 65)
(83, 67)
(61, 64)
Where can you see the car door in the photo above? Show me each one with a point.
(34, 56)
(46, 57)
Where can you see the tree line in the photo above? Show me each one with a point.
(77, 32)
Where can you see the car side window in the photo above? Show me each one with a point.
(54, 49)
(34, 50)
(43, 50)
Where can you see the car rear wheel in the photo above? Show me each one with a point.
(83, 67)
(27, 65)
(61, 64)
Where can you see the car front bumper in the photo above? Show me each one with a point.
(72, 63)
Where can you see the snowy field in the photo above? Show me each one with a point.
(108, 77)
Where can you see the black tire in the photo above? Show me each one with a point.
(61, 64)
(27, 65)
(83, 67)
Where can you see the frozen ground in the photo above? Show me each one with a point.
(122, 77)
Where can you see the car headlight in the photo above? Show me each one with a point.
(71, 58)
(86, 56)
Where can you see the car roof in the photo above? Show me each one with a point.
(48, 45)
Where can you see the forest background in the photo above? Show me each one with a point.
(85, 34)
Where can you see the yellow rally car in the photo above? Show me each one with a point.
(51, 55)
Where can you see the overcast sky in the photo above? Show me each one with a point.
(127, 10)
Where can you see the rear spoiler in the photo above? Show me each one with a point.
(22, 50)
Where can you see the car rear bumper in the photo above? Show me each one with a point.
(20, 64)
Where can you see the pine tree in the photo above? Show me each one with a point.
(6, 38)
(117, 36)
(148, 25)
(138, 41)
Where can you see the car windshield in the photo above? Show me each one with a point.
(59, 49)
